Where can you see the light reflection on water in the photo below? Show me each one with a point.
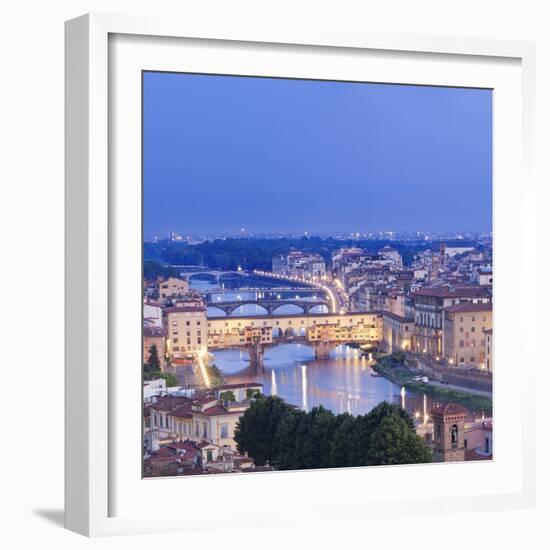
(342, 383)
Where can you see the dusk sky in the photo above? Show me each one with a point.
(279, 155)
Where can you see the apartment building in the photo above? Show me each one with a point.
(464, 333)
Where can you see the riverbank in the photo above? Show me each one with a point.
(396, 372)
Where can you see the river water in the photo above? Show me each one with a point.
(342, 383)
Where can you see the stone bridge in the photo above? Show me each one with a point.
(191, 272)
(323, 332)
(270, 306)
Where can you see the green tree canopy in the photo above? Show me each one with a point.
(292, 439)
(256, 430)
(227, 395)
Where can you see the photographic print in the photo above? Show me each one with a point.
(317, 274)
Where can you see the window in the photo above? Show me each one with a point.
(454, 436)
(473, 329)
(224, 431)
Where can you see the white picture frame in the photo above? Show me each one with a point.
(99, 492)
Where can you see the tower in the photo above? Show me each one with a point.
(448, 437)
(442, 253)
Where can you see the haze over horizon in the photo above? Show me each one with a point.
(288, 156)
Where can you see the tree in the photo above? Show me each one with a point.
(385, 421)
(252, 392)
(286, 441)
(292, 439)
(256, 429)
(393, 442)
(317, 430)
(153, 361)
(171, 380)
(341, 444)
(227, 395)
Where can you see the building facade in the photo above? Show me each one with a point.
(464, 334)
(187, 331)
(429, 303)
(171, 288)
(397, 333)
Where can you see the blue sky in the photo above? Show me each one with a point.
(281, 155)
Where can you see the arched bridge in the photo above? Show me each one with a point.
(192, 272)
(270, 306)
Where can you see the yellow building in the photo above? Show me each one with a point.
(204, 419)
(429, 306)
(295, 325)
(239, 336)
(338, 332)
(171, 288)
(186, 331)
(464, 333)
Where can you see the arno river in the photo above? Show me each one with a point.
(342, 383)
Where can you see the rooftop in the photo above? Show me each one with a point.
(446, 292)
(469, 307)
(449, 409)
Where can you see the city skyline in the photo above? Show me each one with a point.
(204, 156)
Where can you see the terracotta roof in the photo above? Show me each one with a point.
(169, 403)
(183, 411)
(185, 309)
(205, 399)
(185, 445)
(446, 292)
(449, 409)
(216, 410)
(204, 444)
(467, 307)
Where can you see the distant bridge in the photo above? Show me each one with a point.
(193, 271)
(270, 306)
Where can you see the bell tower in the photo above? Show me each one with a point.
(448, 436)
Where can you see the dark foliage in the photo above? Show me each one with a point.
(270, 430)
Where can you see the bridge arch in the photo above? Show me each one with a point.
(299, 307)
(202, 276)
(290, 332)
(219, 311)
(234, 310)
